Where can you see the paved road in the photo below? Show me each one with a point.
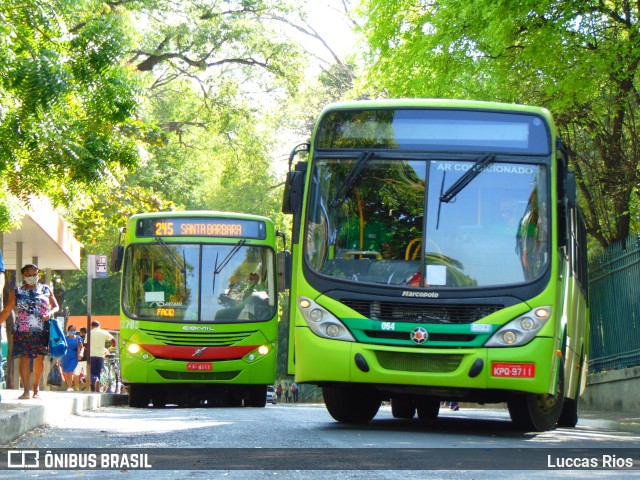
(471, 432)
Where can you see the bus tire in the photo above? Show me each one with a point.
(402, 408)
(138, 396)
(538, 413)
(159, 399)
(569, 415)
(351, 404)
(428, 408)
(257, 396)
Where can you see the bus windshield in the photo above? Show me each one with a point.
(390, 225)
(179, 282)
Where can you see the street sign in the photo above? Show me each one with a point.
(101, 266)
(96, 266)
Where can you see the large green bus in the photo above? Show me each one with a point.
(438, 254)
(198, 308)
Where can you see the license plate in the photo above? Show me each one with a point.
(199, 366)
(519, 370)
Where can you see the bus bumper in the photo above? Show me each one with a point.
(260, 371)
(320, 360)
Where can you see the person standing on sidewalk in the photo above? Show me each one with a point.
(98, 339)
(35, 304)
(81, 369)
(71, 358)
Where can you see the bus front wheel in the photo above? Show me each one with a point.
(402, 407)
(257, 396)
(428, 408)
(531, 412)
(351, 404)
(138, 396)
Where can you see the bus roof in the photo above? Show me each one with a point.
(199, 213)
(438, 103)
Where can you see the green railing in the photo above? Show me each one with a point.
(614, 298)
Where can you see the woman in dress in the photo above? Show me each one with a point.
(34, 304)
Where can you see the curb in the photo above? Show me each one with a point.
(19, 416)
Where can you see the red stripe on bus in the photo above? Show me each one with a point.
(199, 353)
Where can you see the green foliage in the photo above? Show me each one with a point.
(68, 104)
(578, 58)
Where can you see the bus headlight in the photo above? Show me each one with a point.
(521, 330)
(257, 354)
(322, 322)
(139, 352)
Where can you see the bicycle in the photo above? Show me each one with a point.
(110, 380)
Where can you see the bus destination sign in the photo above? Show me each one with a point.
(201, 227)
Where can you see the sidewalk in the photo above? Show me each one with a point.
(621, 421)
(19, 416)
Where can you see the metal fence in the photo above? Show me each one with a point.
(614, 298)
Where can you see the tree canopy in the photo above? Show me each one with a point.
(578, 58)
(68, 105)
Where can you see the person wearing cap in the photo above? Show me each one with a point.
(99, 338)
(35, 304)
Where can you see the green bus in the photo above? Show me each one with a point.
(438, 255)
(198, 308)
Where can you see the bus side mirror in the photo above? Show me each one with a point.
(292, 198)
(117, 253)
(284, 271)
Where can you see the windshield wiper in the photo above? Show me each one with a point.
(350, 179)
(174, 258)
(467, 177)
(219, 267)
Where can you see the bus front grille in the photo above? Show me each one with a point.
(421, 312)
(434, 337)
(197, 376)
(198, 339)
(418, 362)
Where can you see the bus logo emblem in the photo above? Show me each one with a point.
(419, 335)
(199, 352)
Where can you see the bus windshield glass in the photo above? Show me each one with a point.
(215, 283)
(391, 226)
(435, 129)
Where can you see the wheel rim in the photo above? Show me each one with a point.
(546, 403)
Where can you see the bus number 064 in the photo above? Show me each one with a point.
(387, 326)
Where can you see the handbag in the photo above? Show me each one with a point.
(55, 377)
(57, 340)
